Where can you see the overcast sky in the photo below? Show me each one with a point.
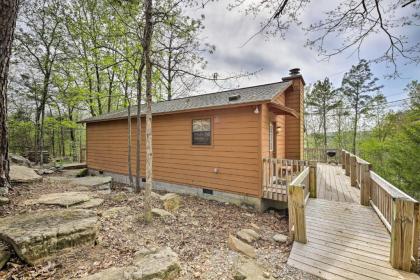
(228, 30)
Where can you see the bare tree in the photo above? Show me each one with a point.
(352, 22)
(8, 14)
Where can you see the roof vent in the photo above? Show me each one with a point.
(234, 97)
(294, 71)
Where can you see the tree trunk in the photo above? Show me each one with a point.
(8, 13)
(148, 29)
(138, 124)
(130, 175)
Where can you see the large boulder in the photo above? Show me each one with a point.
(23, 174)
(241, 247)
(65, 199)
(91, 183)
(161, 264)
(19, 160)
(37, 235)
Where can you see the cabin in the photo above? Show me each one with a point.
(213, 145)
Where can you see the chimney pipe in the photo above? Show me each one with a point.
(294, 71)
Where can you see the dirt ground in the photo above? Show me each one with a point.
(198, 234)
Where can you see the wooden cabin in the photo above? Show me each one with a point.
(212, 145)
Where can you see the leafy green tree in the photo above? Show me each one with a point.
(358, 87)
(324, 99)
(39, 37)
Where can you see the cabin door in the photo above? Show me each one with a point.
(272, 140)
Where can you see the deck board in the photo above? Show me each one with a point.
(345, 239)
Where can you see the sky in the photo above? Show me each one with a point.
(272, 57)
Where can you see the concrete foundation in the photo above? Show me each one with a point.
(257, 203)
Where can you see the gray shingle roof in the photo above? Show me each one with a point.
(260, 93)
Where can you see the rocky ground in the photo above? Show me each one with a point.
(198, 232)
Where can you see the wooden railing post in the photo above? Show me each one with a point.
(416, 237)
(343, 159)
(365, 184)
(297, 219)
(402, 233)
(312, 179)
(347, 166)
(353, 170)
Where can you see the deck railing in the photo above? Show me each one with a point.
(299, 190)
(398, 211)
(320, 155)
(277, 175)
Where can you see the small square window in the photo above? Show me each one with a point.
(201, 132)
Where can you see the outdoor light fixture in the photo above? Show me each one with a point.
(256, 111)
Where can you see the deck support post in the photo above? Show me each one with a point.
(402, 233)
(297, 219)
(347, 164)
(312, 179)
(353, 170)
(365, 184)
(415, 267)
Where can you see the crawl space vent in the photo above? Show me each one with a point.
(207, 191)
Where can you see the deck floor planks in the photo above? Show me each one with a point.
(345, 241)
(333, 184)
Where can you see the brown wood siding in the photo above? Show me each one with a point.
(234, 150)
(294, 126)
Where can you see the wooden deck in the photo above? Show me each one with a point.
(345, 239)
(333, 184)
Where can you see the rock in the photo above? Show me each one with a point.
(115, 211)
(113, 273)
(250, 270)
(94, 202)
(162, 264)
(74, 165)
(161, 213)
(4, 254)
(171, 201)
(155, 196)
(4, 200)
(83, 173)
(44, 171)
(19, 160)
(65, 199)
(23, 174)
(255, 227)
(37, 235)
(248, 235)
(95, 182)
(144, 251)
(280, 238)
(240, 246)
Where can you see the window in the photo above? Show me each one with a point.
(201, 132)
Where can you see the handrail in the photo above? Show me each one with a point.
(398, 211)
(298, 192)
(389, 188)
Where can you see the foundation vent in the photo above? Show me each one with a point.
(208, 191)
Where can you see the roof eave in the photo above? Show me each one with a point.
(181, 111)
